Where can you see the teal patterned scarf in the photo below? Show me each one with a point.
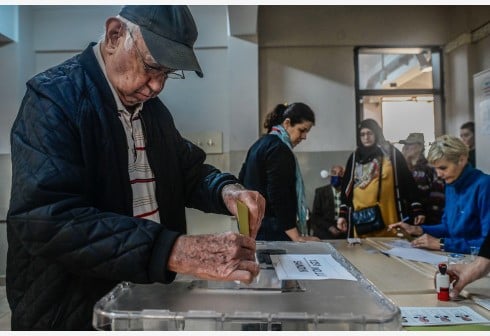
(300, 187)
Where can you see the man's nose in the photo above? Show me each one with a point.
(156, 84)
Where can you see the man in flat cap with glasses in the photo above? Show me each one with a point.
(430, 186)
(101, 178)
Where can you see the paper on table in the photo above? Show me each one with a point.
(416, 254)
(484, 302)
(424, 316)
(400, 243)
(242, 218)
(309, 267)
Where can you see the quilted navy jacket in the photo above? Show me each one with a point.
(70, 229)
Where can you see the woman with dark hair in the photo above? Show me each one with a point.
(272, 169)
(467, 135)
(377, 174)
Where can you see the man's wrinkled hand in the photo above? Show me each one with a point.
(226, 257)
(254, 201)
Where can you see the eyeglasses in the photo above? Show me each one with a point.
(368, 133)
(156, 71)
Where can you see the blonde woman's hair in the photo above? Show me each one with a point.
(447, 147)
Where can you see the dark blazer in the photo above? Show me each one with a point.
(323, 213)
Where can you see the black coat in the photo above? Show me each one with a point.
(323, 214)
(270, 168)
(71, 233)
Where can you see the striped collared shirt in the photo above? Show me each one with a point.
(141, 176)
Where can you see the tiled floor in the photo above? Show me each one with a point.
(4, 310)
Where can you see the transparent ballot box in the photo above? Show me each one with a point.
(266, 304)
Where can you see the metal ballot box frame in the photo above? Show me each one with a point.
(267, 304)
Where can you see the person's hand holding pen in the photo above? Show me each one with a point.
(423, 241)
(420, 219)
(411, 230)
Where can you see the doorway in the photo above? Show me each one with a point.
(400, 88)
(401, 115)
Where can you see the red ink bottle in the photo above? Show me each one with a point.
(442, 283)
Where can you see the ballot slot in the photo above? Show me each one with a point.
(264, 257)
(266, 281)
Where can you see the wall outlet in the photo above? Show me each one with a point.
(211, 142)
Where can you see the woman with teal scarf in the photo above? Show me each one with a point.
(272, 169)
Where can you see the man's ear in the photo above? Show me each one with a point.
(114, 30)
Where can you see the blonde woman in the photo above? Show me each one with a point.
(466, 219)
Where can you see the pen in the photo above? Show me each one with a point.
(401, 232)
(385, 253)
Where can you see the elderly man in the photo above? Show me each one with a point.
(101, 178)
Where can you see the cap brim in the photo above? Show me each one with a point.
(405, 142)
(171, 54)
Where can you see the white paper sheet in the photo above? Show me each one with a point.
(412, 253)
(309, 267)
(400, 243)
(425, 316)
(484, 302)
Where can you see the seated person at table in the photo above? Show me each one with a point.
(466, 219)
(326, 207)
(464, 274)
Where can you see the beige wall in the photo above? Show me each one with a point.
(461, 64)
(352, 25)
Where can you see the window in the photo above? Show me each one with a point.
(401, 88)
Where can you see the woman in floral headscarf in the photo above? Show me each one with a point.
(398, 194)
